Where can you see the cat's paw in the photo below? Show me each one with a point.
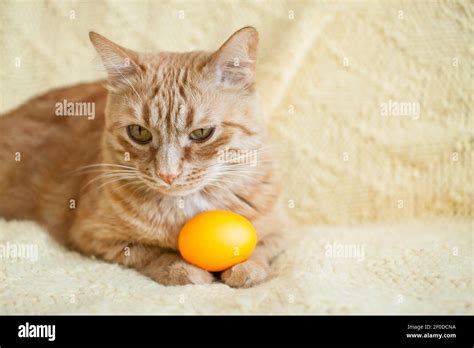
(245, 274)
(176, 271)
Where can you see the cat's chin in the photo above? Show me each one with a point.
(176, 191)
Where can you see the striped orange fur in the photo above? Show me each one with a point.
(105, 193)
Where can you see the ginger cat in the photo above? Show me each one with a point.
(120, 183)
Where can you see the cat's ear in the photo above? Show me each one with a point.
(117, 60)
(234, 63)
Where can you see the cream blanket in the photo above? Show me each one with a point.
(416, 267)
(371, 103)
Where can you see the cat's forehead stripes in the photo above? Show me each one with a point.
(168, 103)
(168, 92)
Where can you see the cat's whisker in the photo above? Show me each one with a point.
(231, 183)
(134, 182)
(108, 175)
(243, 172)
(140, 188)
(239, 174)
(104, 167)
(218, 186)
(88, 171)
(101, 165)
(234, 180)
(134, 172)
(137, 181)
(226, 186)
(106, 164)
(110, 182)
(154, 182)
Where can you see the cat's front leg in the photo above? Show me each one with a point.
(163, 266)
(171, 269)
(256, 269)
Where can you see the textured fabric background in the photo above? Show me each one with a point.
(323, 76)
(417, 267)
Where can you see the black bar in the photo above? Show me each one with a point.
(228, 330)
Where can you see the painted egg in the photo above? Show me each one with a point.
(216, 240)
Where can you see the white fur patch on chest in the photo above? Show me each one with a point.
(162, 219)
(186, 207)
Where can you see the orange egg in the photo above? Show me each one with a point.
(217, 240)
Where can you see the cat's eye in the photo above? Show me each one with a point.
(139, 134)
(201, 134)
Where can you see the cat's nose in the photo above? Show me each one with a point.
(168, 177)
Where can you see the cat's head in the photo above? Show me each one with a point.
(177, 118)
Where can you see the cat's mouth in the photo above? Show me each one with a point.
(194, 180)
